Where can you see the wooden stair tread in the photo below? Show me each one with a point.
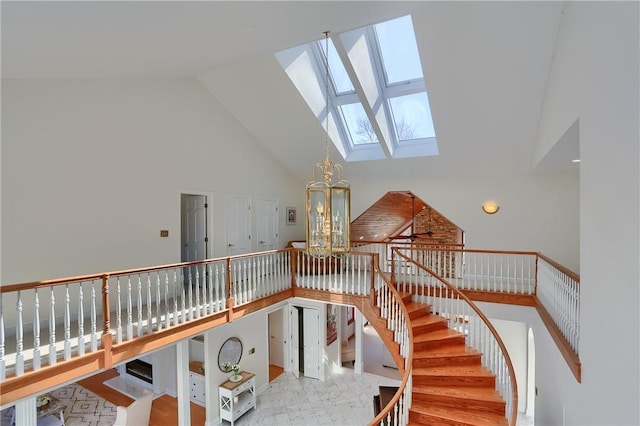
(416, 310)
(456, 370)
(436, 335)
(445, 351)
(475, 393)
(428, 320)
(449, 416)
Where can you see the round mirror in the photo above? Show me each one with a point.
(230, 352)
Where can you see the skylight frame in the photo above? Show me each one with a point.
(360, 53)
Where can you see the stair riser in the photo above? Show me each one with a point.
(474, 381)
(425, 328)
(446, 360)
(425, 419)
(419, 313)
(433, 344)
(459, 403)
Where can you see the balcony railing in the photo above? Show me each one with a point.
(45, 324)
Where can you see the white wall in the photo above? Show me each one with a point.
(536, 213)
(594, 77)
(253, 332)
(514, 336)
(93, 170)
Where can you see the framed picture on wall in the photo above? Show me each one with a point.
(291, 215)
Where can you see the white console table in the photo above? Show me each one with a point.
(236, 398)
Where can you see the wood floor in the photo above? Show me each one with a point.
(164, 411)
(274, 371)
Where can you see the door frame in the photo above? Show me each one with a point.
(209, 220)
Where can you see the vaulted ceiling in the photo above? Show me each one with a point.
(485, 64)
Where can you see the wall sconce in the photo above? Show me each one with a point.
(490, 207)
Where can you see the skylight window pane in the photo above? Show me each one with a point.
(412, 117)
(399, 51)
(341, 81)
(358, 125)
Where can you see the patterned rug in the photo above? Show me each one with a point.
(83, 408)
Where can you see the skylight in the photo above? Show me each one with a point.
(379, 107)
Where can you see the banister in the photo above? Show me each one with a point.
(512, 378)
(407, 370)
(106, 352)
(564, 270)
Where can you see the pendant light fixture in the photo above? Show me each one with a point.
(328, 196)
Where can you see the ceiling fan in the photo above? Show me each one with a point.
(414, 236)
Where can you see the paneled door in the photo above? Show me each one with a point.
(194, 227)
(294, 320)
(267, 224)
(311, 339)
(238, 218)
(193, 234)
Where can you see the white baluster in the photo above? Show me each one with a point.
(36, 331)
(67, 323)
(167, 310)
(216, 288)
(190, 293)
(140, 312)
(19, 337)
(158, 302)
(183, 314)
(176, 315)
(80, 321)
(3, 361)
(205, 289)
(52, 330)
(118, 311)
(197, 286)
(94, 320)
(149, 306)
(129, 309)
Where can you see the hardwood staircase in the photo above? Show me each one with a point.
(450, 385)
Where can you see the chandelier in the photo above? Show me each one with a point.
(328, 196)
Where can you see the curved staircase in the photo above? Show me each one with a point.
(450, 385)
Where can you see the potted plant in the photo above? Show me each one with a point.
(236, 369)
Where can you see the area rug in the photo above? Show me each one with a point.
(84, 408)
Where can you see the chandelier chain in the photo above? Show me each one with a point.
(326, 92)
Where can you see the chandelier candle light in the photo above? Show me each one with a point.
(328, 203)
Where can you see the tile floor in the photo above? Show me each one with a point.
(344, 399)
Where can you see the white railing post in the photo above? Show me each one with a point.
(94, 315)
(36, 331)
(52, 329)
(67, 324)
(80, 320)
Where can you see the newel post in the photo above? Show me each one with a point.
(375, 269)
(106, 323)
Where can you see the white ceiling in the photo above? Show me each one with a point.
(485, 63)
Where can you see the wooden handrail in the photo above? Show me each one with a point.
(564, 270)
(503, 348)
(384, 412)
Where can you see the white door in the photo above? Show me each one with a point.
(276, 338)
(238, 218)
(194, 227)
(267, 224)
(193, 234)
(311, 337)
(295, 341)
